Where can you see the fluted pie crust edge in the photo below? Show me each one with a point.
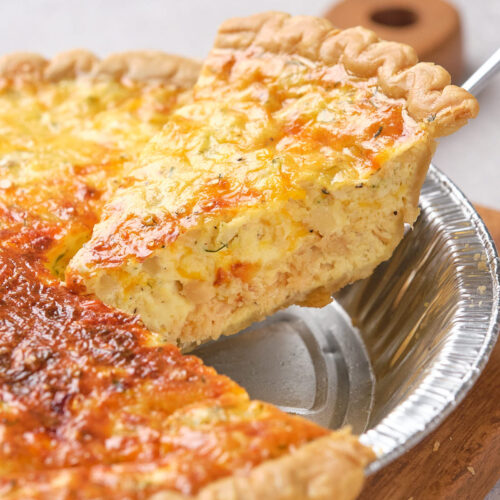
(331, 466)
(135, 66)
(425, 86)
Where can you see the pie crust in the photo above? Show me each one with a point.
(425, 86)
(140, 66)
(345, 455)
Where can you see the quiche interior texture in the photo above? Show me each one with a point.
(285, 178)
(288, 171)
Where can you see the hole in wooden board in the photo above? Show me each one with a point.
(394, 17)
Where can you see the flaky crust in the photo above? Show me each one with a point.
(327, 468)
(425, 86)
(136, 66)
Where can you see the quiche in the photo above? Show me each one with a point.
(92, 404)
(291, 173)
(175, 214)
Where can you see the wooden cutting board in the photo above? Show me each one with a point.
(461, 459)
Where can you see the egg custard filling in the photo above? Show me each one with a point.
(63, 150)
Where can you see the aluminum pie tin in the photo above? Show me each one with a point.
(396, 352)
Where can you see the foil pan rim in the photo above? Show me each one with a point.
(432, 401)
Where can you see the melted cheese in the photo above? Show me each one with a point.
(231, 149)
(89, 398)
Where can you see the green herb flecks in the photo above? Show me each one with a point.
(295, 62)
(58, 265)
(224, 245)
(58, 258)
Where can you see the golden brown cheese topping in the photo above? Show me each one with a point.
(258, 129)
(86, 388)
(89, 399)
(64, 147)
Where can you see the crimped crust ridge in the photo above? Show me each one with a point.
(138, 66)
(425, 86)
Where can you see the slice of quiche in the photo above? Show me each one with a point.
(290, 174)
(93, 405)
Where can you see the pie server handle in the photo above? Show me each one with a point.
(478, 80)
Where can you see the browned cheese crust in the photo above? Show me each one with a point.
(302, 474)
